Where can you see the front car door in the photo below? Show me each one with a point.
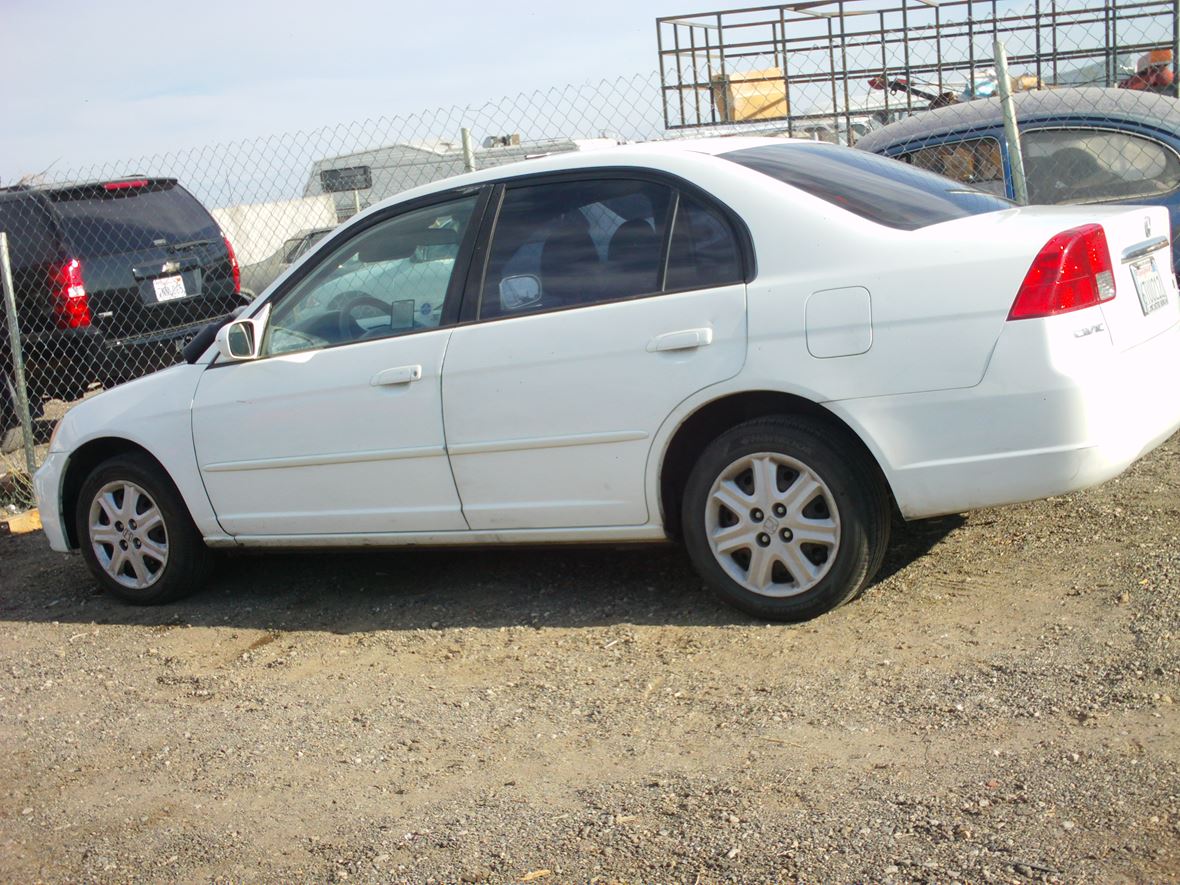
(604, 302)
(337, 427)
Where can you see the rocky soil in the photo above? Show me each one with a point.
(1000, 706)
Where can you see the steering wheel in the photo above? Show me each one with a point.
(346, 303)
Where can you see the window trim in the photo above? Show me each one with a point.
(473, 290)
(341, 236)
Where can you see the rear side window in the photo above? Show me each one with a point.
(704, 251)
(885, 191)
(31, 239)
(1084, 165)
(575, 243)
(973, 161)
(100, 222)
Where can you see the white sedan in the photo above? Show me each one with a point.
(761, 347)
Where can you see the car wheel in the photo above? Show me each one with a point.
(785, 518)
(136, 534)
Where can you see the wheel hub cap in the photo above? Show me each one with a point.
(128, 535)
(778, 555)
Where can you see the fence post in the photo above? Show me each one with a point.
(1011, 130)
(18, 361)
(468, 151)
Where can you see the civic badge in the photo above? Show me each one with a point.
(1147, 225)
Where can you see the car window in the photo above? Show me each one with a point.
(389, 279)
(1082, 165)
(566, 244)
(704, 250)
(127, 219)
(973, 161)
(877, 188)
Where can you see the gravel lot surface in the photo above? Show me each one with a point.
(1003, 705)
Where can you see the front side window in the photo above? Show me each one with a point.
(1083, 165)
(567, 244)
(974, 161)
(389, 279)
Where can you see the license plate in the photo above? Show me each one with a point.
(1150, 285)
(171, 288)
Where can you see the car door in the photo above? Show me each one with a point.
(336, 428)
(592, 324)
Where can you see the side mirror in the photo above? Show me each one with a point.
(241, 340)
(519, 291)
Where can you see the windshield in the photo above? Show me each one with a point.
(886, 191)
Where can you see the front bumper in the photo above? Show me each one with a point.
(1025, 433)
(47, 486)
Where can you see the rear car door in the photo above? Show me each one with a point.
(337, 427)
(604, 302)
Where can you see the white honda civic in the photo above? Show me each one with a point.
(760, 347)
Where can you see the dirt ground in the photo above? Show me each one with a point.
(1000, 706)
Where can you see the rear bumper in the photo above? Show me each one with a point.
(1021, 435)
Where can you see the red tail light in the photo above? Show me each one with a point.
(234, 266)
(125, 184)
(71, 306)
(1072, 271)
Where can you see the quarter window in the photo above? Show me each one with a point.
(704, 251)
(1083, 165)
(390, 279)
(575, 243)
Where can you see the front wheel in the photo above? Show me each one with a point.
(136, 534)
(785, 518)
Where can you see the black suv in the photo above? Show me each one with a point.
(112, 278)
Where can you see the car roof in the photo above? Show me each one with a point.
(1073, 105)
(572, 161)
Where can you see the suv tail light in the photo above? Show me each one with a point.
(233, 265)
(1072, 271)
(71, 305)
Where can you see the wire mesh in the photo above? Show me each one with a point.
(117, 265)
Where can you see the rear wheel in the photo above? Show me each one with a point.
(785, 518)
(136, 534)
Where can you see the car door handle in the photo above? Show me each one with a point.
(398, 375)
(686, 339)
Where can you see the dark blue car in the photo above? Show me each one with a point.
(1083, 145)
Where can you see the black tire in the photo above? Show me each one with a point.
(187, 561)
(851, 504)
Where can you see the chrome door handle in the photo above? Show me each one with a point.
(685, 339)
(398, 375)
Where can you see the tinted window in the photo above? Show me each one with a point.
(389, 279)
(973, 161)
(126, 220)
(704, 251)
(1082, 165)
(575, 243)
(873, 187)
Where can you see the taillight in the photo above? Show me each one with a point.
(1072, 271)
(125, 184)
(71, 306)
(233, 265)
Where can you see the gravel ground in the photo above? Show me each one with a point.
(998, 707)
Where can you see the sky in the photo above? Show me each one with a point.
(92, 82)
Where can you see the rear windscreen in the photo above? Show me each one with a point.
(886, 191)
(132, 219)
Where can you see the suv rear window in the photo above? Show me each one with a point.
(100, 222)
(882, 190)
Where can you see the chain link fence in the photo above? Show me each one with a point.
(117, 265)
